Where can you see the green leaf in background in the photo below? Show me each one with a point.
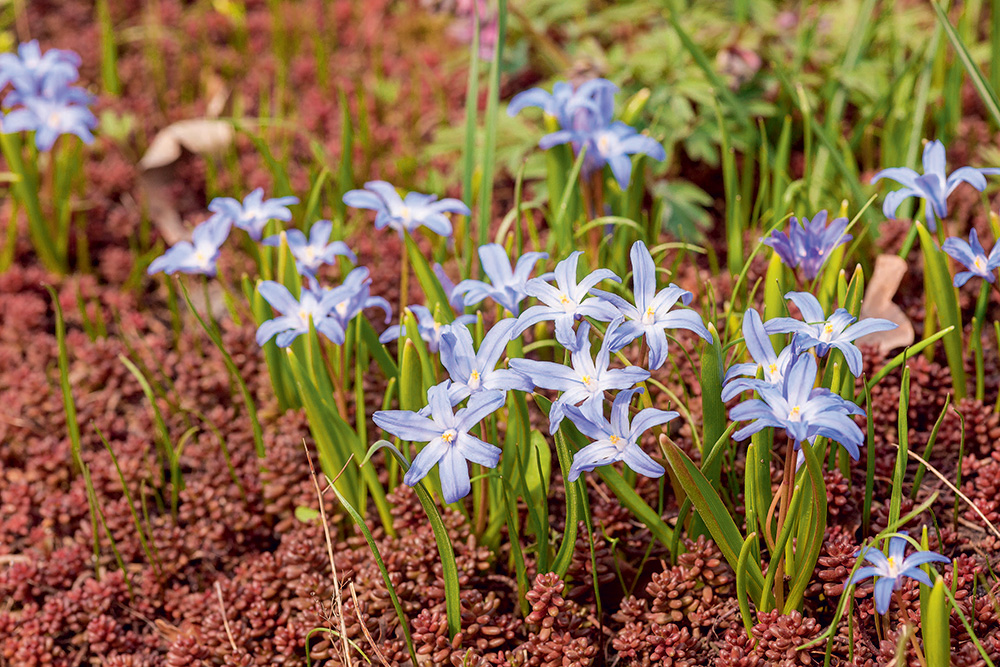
(936, 628)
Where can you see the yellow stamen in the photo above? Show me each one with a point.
(614, 439)
(448, 436)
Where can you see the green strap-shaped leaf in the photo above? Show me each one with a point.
(713, 512)
(937, 282)
(449, 569)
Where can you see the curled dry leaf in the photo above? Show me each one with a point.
(886, 278)
(202, 136)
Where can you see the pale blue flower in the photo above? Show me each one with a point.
(35, 73)
(567, 301)
(407, 214)
(934, 186)
(973, 257)
(354, 296)
(253, 214)
(802, 410)
(446, 433)
(430, 330)
(507, 286)
(615, 440)
(197, 256)
(817, 331)
(651, 314)
(472, 372)
(742, 377)
(295, 314)
(586, 380)
(312, 253)
(890, 571)
(50, 118)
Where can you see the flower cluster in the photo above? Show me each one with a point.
(807, 245)
(788, 396)
(473, 374)
(329, 310)
(42, 100)
(585, 117)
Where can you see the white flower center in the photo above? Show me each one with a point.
(649, 316)
(603, 143)
(474, 380)
(795, 414)
(54, 119)
(449, 436)
(772, 372)
(980, 263)
(567, 303)
(827, 333)
(892, 567)
(404, 213)
(341, 308)
(588, 381)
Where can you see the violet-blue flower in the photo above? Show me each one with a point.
(471, 371)
(615, 440)
(567, 301)
(973, 257)
(586, 380)
(651, 314)
(295, 314)
(817, 331)
(409, 213)
(506, 286)
(36, 73)
(312, 253)
(429, 329)
(199, 255)
(742, 377)
(253, 214)
(50, 118)
(890, 571)
(804, 412)
(446, 433)
(808, 244)
(934, 186)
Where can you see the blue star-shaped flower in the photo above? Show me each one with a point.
(506, 287)
(199, 255)
(890, 571)
(430, 330)
(296, 314)
(973, 257)
(51, 117)
(34, 73)
(586, 380)
(615, 440)
(742, 377)
(934, 186)
(652, 314)
(314, 252)
(802, 410)
(471, 371)
(567, 301)
(254, 212)
(446, 433)
(409, 213)
(809, 244)
(817, 331)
